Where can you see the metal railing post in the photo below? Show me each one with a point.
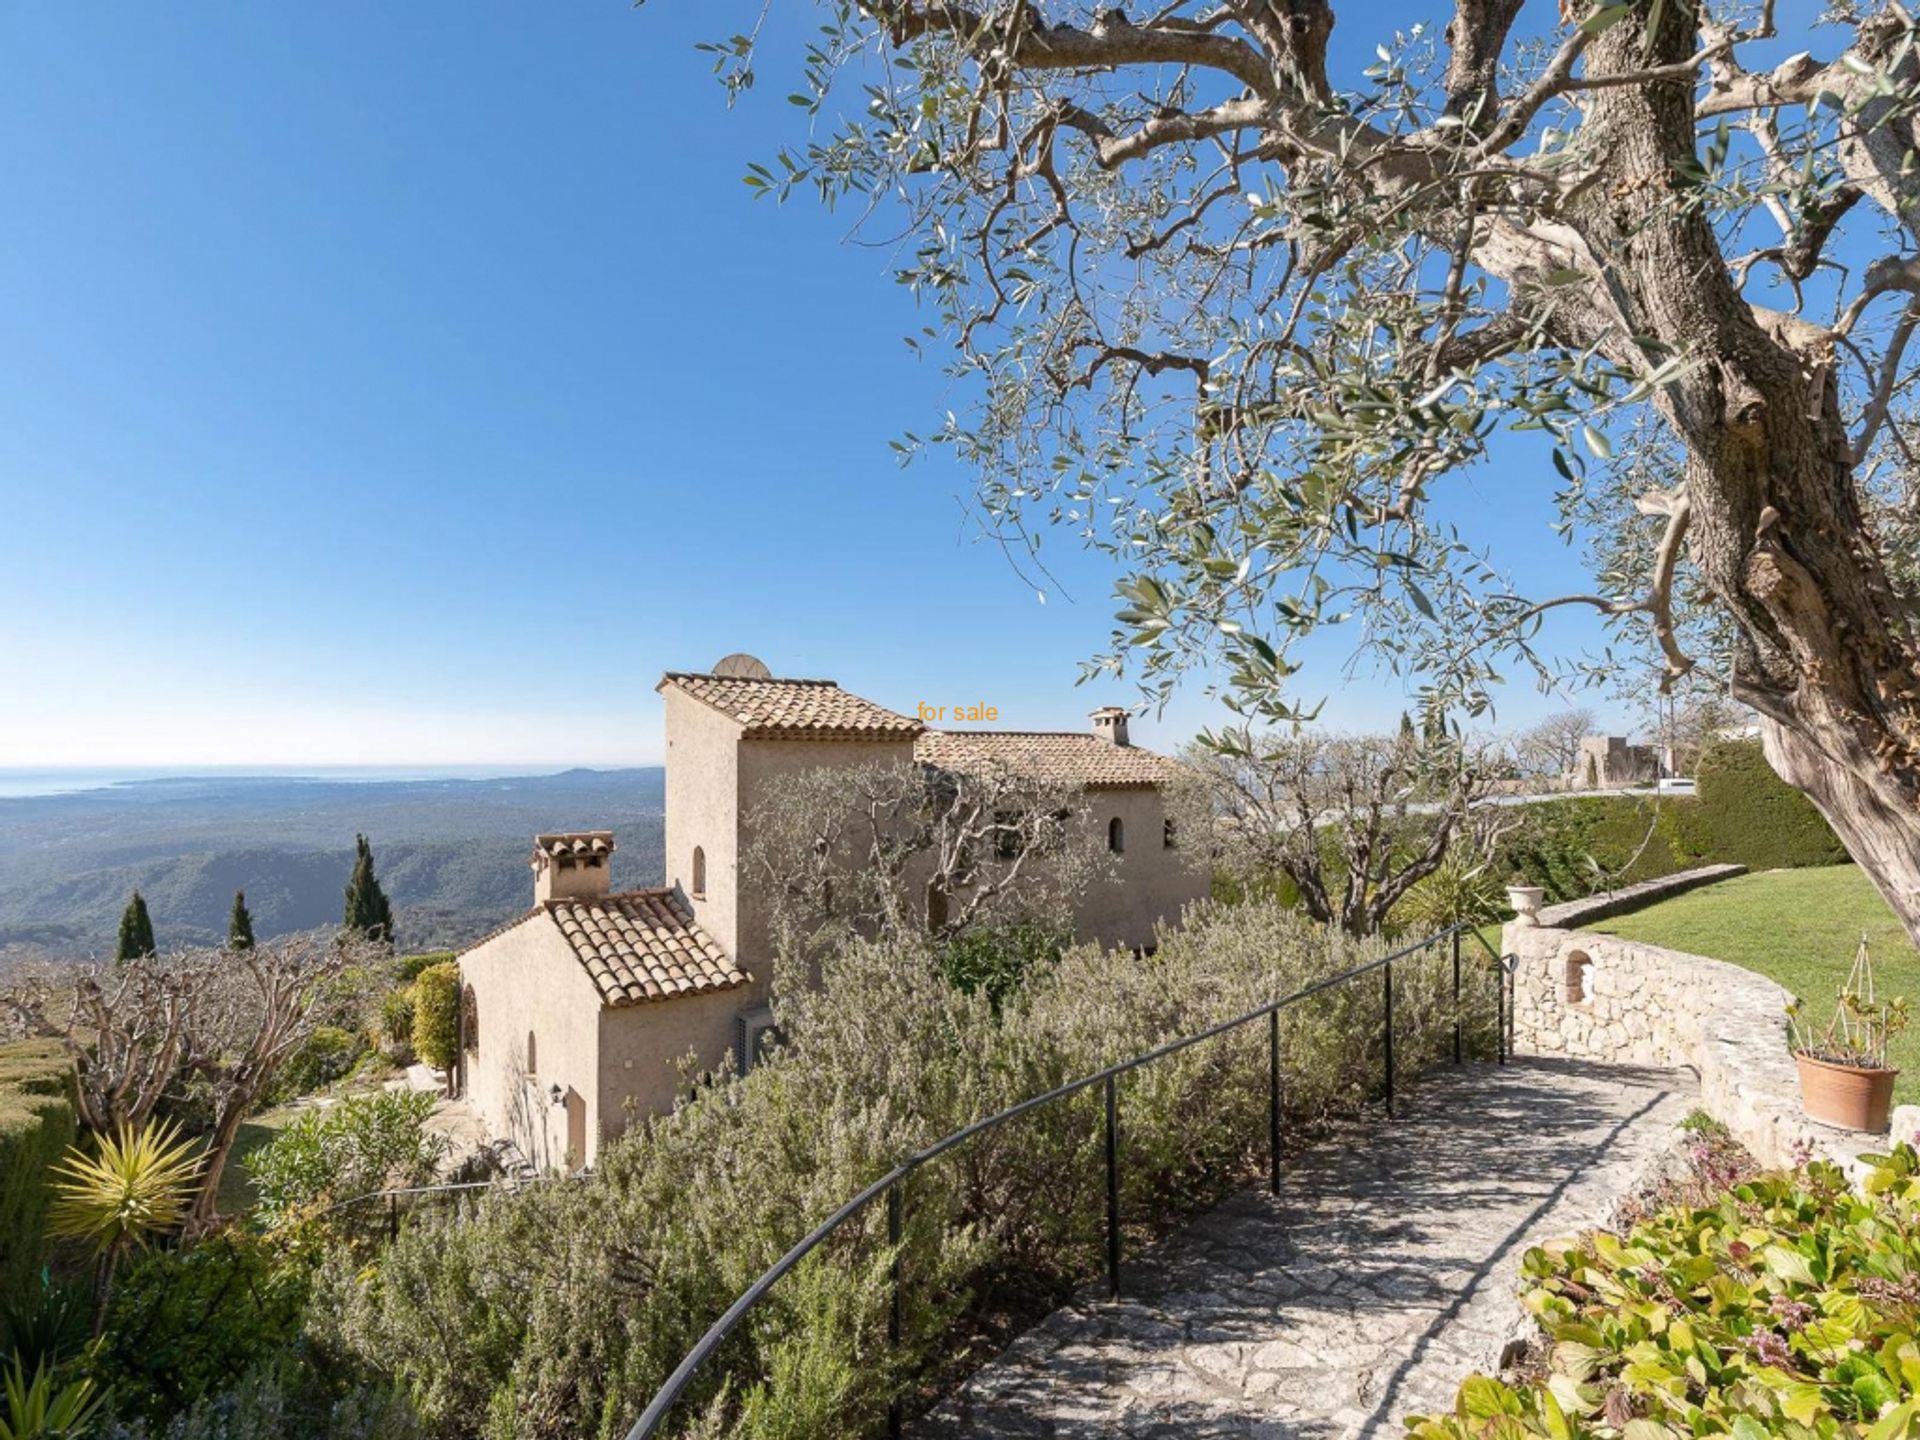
(1456, 997)
(894, 1207)
(393, 1218)
(1273, 1101)
(1386, 1028)
(1500, 1006)
(1113, 1190)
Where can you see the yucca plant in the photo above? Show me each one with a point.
(138, 1185)
(37, 1411)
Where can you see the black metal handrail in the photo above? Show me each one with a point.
(889, 1184)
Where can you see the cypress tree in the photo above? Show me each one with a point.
(367, 912)
(239, 923)
(136, 931)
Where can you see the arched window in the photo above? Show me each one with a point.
(699, 873)
(1116, 835)
(533, 1062)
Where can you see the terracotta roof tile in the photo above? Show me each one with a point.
(642, 945)
(817, 709)
(638, 945)
(1061, 757)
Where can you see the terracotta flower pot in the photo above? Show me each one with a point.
(1845, 1095)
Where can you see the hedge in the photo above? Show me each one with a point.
(1757, 819)
(36, 1126)
(1572, 848)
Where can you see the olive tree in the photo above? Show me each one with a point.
(1355, 822)
(909, 848)
(1241, 319)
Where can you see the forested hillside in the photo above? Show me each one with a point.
(451, 853)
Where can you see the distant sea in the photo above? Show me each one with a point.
(20, 783)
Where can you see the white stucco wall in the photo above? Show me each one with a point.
(1151, 884)
(703, 786)
(641, 1047)
(528, 981)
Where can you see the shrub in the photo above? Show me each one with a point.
(330, 1054)
(564, 1305)
(1463, 890)
(396, 1025)
(995, 960)
(1576, 847)
(407, 968)
(1757, 819)
(436, 1016)
(1785, 1307)
(363, 1144)
(283, 1398)
(185, 1324)
(36, 1126)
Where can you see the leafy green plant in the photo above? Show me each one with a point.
(1786, 1306)
(189, 1323)
(396, 1024)
(330, 1054)
(363, 1144)
(36, 1410)
(1861, 1025)
(136, 1186)
(995, 960)
(436, 1016)
(45, 1324)
(1462, 891)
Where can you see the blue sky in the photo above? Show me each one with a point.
(414, 384)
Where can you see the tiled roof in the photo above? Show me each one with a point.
(638, 945)
(817, 709)
(1061, 757)
(642, 945)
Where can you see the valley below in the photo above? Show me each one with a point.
(451, 854)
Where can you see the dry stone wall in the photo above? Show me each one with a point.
(1587, 996)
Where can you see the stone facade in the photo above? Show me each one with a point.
(1608, 760)
(1580, 995)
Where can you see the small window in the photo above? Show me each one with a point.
(1116, 836)
(533, 1062)
(1577, 963)
(699, 873)
(1166, 835)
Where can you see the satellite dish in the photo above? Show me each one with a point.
(741, 666)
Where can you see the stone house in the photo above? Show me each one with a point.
(1609, 761)
(580, 1012)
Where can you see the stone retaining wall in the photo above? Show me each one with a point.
(1599, 997)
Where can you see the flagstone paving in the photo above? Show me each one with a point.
(1381, 1276)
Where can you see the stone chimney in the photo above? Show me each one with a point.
(1110, 724)
(575, 866)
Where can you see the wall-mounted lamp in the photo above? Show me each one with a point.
(558, 1094)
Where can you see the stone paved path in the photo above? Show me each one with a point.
(1383, 1273)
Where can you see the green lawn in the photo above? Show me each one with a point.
(236, 1190)
(1799, 927)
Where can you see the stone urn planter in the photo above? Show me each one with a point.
(1845, 1079)
(1854, 1097)
(1526, 900)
